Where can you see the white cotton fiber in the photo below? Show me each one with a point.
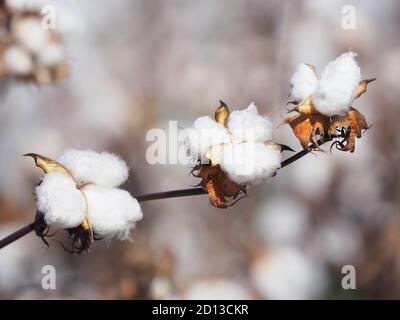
(112, 212)
(248, 125)
(303, 82)
(338, 84)
(30, 33)
(61, 202)
(17, 61)
(87, 166)
(204, 134)
(250, 162)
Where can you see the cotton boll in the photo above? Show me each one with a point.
(287, 273)
(112, 212)
(250, 162)
(204, 134)
(51, 55)
(216, 289)
(103, 169)
(61, 202)
(248, 125)
(30, 33)
(338, 84)
(17, 61)
(303, 82)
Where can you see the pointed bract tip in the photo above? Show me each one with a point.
(369, 80)
(284, 147)
(222, 104)
(33, 155)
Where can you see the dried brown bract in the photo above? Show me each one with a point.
(308, 127)
(222, 192)
(347, 128)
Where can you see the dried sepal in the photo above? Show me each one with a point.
(48, 165)
(347, 128)
(362, 87)
(222, 192)
(308, 127)
(222, 114)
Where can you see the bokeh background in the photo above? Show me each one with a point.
(135, 65)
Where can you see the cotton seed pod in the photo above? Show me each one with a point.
(243, 154)
(330, 113)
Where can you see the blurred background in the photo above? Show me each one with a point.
(136, 64)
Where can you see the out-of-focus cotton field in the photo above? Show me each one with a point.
(134, 65)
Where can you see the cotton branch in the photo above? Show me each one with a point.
(164, 195)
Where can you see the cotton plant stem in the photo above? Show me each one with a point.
(161, 195)
(171, 194)
(17, 235)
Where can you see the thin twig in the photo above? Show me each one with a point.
(17, 234)
(171, 194)
(163, 195)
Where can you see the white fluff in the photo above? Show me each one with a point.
(30, 33)
(336, 89)
(204, 134)
(17, 61)
(51, 55)
(248, 125)
(87, 166)
(287, 273)
(303, 82)
(217, 289)
(250, 162)
(112, 212)
(61, 202)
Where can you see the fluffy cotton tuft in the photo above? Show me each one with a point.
(204, 134)
(217, 289)
(336, 89)
(248, 126)
(17, 61)
(61, 202)
(30, 33)
(103, 169)
(303, 82)
(112, 212)
(250, 162)
(287, 273)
